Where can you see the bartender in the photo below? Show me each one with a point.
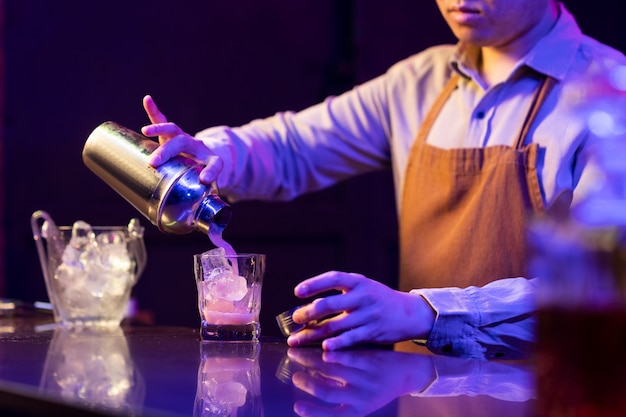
(480, 136)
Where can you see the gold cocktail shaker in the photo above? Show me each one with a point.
(170, 196)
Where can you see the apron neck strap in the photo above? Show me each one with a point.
(543, 91)
(545, 86)
(432, 114)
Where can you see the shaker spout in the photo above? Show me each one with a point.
(212, 210)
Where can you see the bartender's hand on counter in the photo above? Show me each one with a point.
(365, 311)
(175, 141)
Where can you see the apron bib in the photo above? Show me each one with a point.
(465, 212)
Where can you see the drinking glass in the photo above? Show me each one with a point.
(229, 295)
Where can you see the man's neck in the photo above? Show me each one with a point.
(495, 67)
(497, 62)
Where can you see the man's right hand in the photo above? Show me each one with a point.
(174, 141)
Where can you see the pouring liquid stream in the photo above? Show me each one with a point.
(215, 235)
(228, 302)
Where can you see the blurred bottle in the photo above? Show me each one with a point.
(580, 259)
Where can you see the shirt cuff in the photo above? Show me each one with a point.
(456, 322)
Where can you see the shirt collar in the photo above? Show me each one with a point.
(551, 56)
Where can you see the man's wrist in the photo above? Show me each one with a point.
(425, 316)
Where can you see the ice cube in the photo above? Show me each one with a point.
(118, 283)
(72, 257)
(72, 287)
(113, 253)
(214, 262)
(82, 248)
(228, 286)
(89, 256)
(98, 280)
(82, 235)
(70, 276)
(112, 237)
(216, 305)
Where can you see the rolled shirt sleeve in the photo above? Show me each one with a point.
(493, 321)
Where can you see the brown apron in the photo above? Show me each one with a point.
(464, 212)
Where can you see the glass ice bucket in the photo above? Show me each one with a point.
(89, 271)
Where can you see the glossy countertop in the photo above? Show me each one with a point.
(46, 369)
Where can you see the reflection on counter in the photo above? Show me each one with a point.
(357, 383)
(174, 373)
(229, 380)
(92, 367)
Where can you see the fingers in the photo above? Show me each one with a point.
(179, 142)
(334, 314)
(175, 146)
(322, 309)
(365, 311)
(357, 292)
(174, 141)
(154, 114)
(348, 339)
(193, 149)
(327, 281)
(165, 131)
(342, 330)
(211, 171)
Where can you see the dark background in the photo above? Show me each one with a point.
(71, 65)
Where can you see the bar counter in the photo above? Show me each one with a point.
(46, 370)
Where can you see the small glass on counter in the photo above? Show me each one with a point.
(229, 294)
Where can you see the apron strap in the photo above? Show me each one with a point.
(547, 83)
(436, 108)
(544, 90)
